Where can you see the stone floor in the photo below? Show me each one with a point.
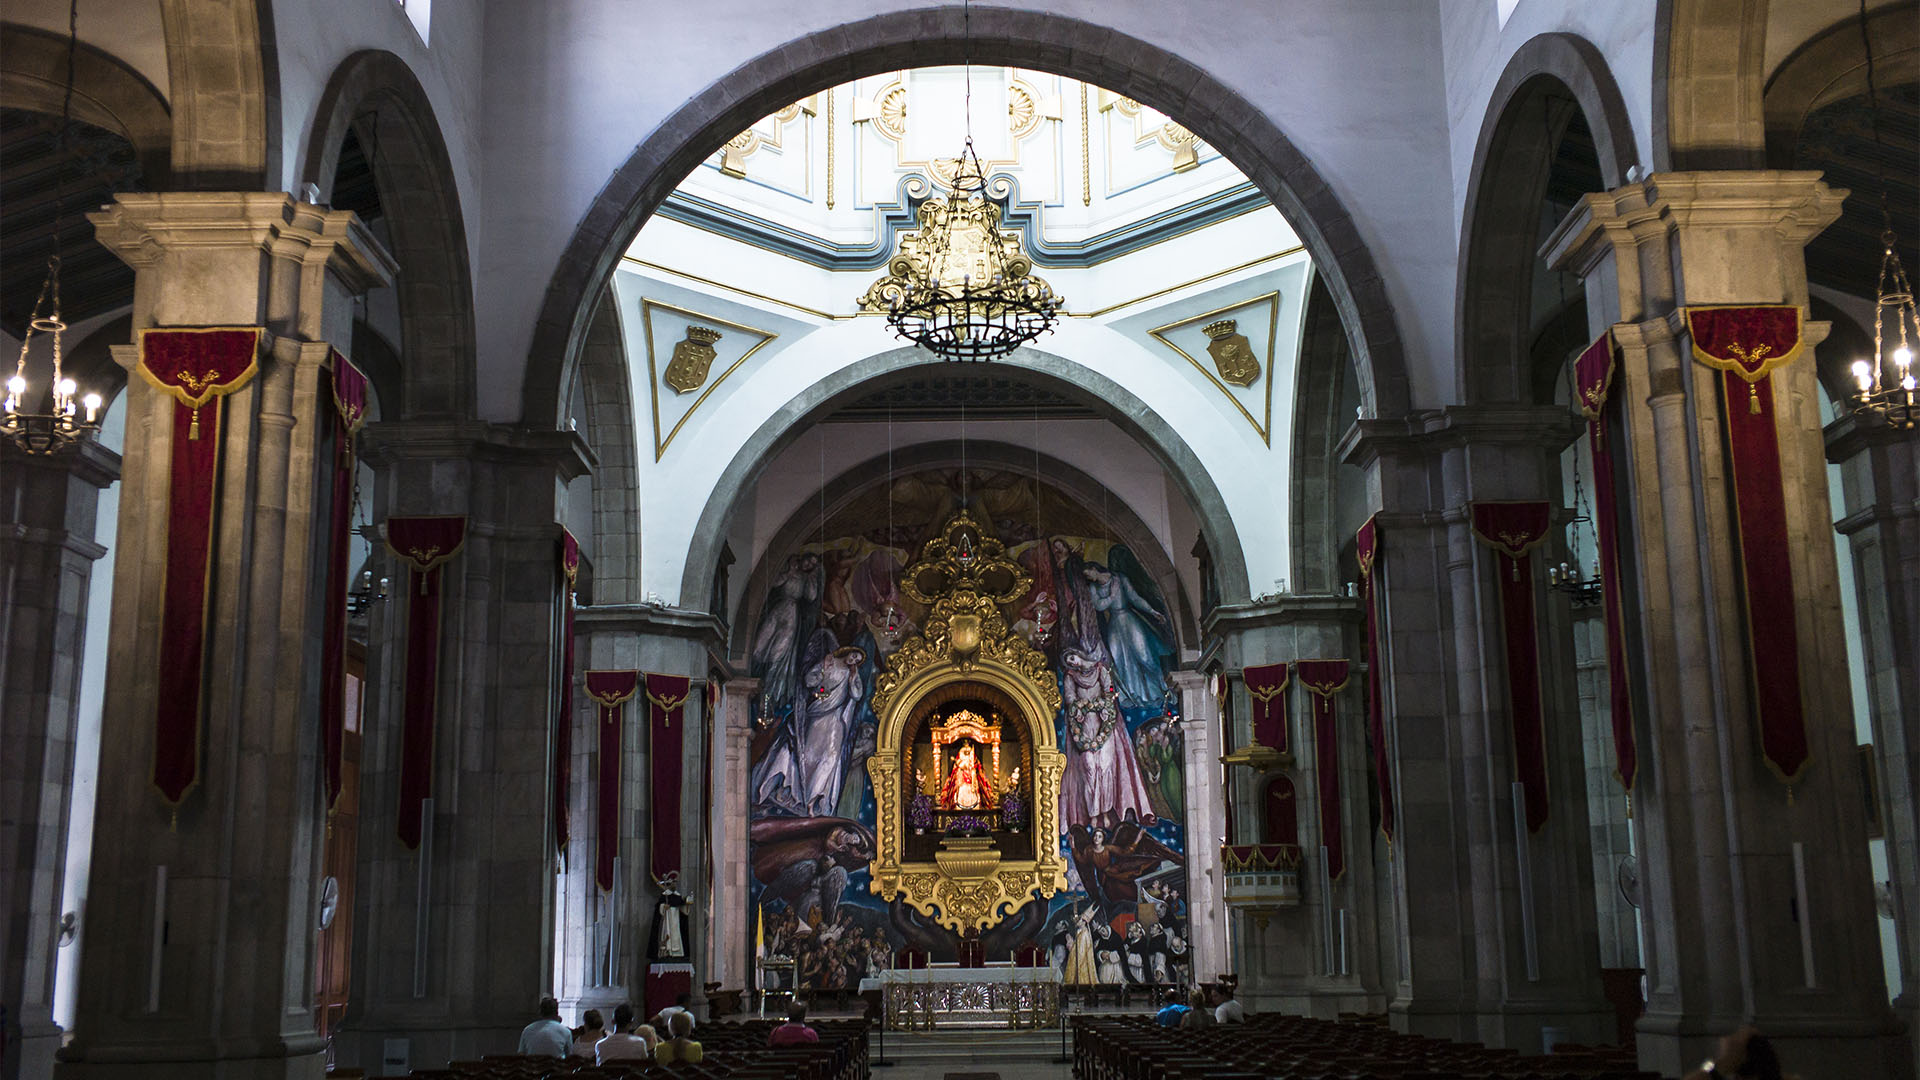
(973, 1054)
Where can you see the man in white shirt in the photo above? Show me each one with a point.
(546, 1035)
(664, 1021)
(1228, 1011)
(625, 1044)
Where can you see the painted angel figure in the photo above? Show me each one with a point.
(968, 786)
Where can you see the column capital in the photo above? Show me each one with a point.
(143, 228)
(1540, 428)
(654, 620)
(395, 441)
(1850, 436)
(86, 461)
(1721, 226)
(1281, 611)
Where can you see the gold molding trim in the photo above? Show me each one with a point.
(1263, 425)
(647, 307)
(1086, 151)
(964, 576)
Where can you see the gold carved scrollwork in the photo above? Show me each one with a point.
(964, 576)
(970, 228)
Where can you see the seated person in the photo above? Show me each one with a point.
(663, 1020)
(795, 1031)
(1173, 1013)
(1198, 1014)
(1228, 1011)
(680, 1048)
(593, 1028)
(627, 1043)
(546, 1036)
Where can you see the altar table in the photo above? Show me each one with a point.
(997, 995)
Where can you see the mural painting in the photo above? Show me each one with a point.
(834, 611)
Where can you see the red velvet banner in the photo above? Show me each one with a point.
(424, 544)
(1745, 344)
(610, 689)
(663, 988)
(1367, 551)
(1513, 530)
(349, 393)
(195, 368)
(666, 739)
(1282, 814)
(1267, 687)
(1323, 679)
(563, 714)
(1593, 375)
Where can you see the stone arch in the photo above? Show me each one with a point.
(107, 93)
(1042, 41)
(835, 390)
(1707, 61)
(1319, 422)
(224, 82)
(376, 95)
(1832, 66)
(1548, 80)
(609, 430)
(1011, 457)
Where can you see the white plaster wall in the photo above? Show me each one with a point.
(574, 85)
(675, 492)
(314, 39)
(1477, 48)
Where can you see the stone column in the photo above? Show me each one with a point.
(1880, 477)
(454, 940)
(665, 641)
(1757, 907)
(733, 927)
(1472, 964)
(48, 506)
(202, 964)
(1282, 957)
(1206, 825)
(1608, 818)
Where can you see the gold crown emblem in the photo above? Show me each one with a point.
(702, 335)
(1221, 329)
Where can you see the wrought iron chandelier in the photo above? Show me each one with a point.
(965, 292)
(1582, 590)
(60, 426)
(1888, 387)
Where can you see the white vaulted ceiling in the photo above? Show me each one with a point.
(1155, 241)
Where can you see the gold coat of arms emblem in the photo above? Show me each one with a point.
(1231, 351)
(692, 358)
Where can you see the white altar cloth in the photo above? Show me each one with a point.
(946, 973)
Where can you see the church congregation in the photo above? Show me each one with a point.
(1373, 540)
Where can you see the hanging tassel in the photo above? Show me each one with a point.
(1753, 398)
(423, 583)
(193, 429)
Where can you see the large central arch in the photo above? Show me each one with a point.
(829, 393)
(1047, 42)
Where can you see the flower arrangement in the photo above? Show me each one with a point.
(1013, 811)
(967, 825)
(920, 812)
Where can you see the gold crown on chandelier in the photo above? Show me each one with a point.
(702, 334)
(1223, 328)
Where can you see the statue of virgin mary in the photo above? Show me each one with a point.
(968, 786)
